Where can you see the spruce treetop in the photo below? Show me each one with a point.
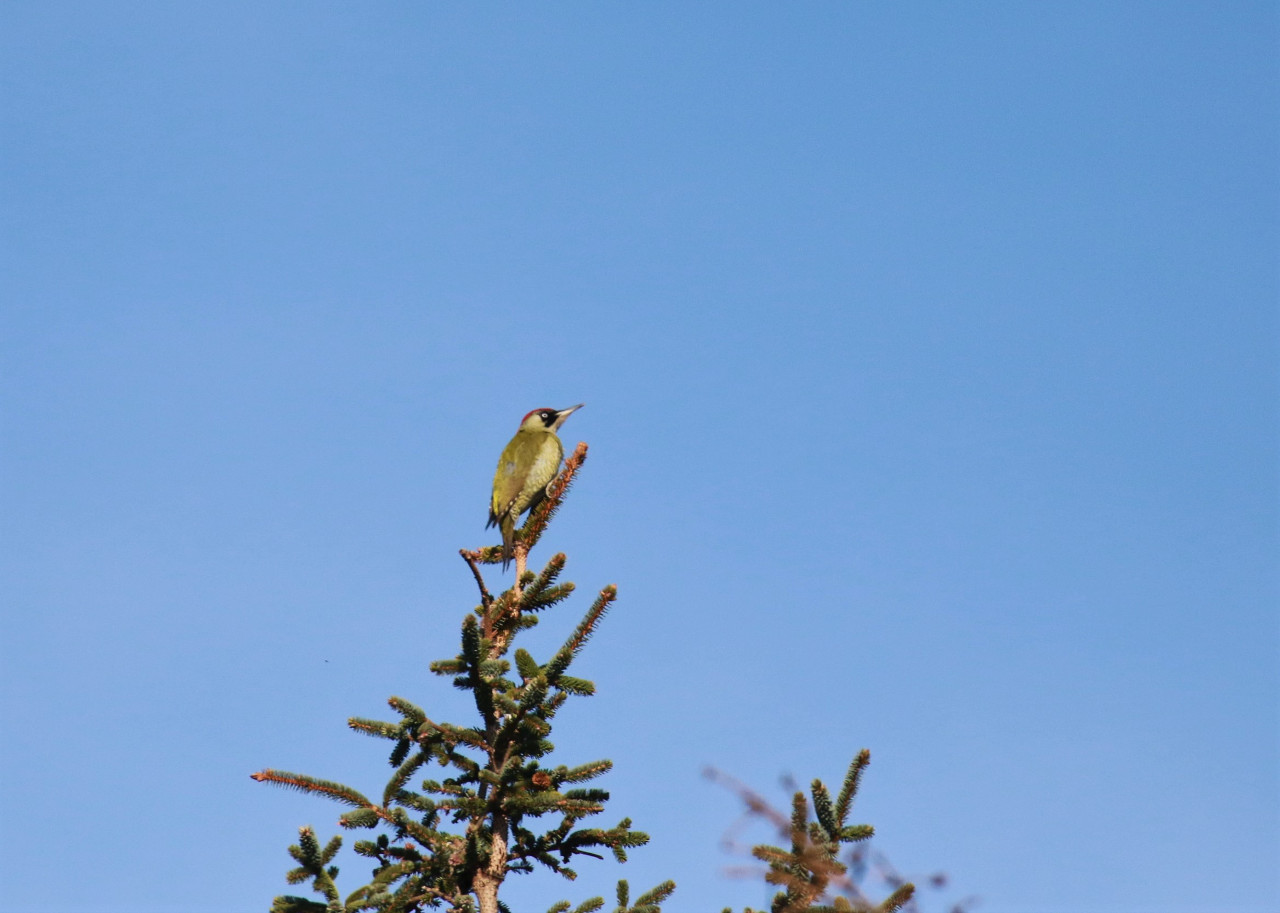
(502, 807)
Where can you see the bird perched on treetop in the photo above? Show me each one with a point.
(527, 465)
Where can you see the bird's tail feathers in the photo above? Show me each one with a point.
(508, 527)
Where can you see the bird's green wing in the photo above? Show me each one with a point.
(511, 475)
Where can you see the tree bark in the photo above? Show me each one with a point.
(522, 564)
(487, 880)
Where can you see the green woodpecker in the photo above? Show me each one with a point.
(525, 469)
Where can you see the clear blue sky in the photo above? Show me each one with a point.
(930, 360)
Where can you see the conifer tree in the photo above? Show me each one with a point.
(450, 843)
(503, 808)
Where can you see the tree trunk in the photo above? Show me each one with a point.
(489, 878)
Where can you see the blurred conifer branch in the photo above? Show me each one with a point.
(811, 874)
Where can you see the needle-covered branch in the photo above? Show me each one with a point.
(809, 871)
(581, 634)
(313, 865)
(303, 783)
(648, 902)
(540, 516)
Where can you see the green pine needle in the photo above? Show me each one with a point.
(584, 772)
(656, 895)
(578, 686)
(376, 728)
(471, 643)
(409, 710)
(799, 816)
(304, 784)
(359, 818)
(538, 584)
(527, 667)
(824, 810)
(897, 900)
(581, 634)
(289, 904)
(849, 790)
(399, 753)
(856, 832)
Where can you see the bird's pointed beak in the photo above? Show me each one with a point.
(563, 414)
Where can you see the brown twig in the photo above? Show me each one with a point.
(757, 805)
(522, 565)
(473, 558)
